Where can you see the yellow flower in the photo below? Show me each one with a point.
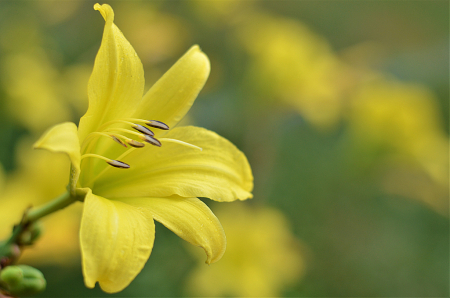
(262, 258)
(138, 184)
(291, 64)
(401, 122)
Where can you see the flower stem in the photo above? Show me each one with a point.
(56, 204)
(10, 249)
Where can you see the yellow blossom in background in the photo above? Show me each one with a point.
(262, 257)
(38, 93)
(291, 64)
(30, 83)
(39, 176)
(218, 13)
(169, 35)
(402, 122)
(129, 178)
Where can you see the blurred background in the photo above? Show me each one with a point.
(342, 108)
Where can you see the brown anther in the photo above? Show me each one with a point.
(151, 140)
(118, 164)
(118, 141)
(157, 124)
(143, 129)
(135, 144)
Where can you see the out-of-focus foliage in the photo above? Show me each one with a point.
(341, 106)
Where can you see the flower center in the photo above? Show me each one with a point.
(117, 134)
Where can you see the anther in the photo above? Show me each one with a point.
(157, 124)
(114, 163)
(143, 129)
(135, 144)
(151, 140)
(118, 164)
(118, 141)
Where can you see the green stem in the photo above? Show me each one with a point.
(31, 216)
(56, 204)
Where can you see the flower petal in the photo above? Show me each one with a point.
(190, 219)
(171, 97)
(117, 81)
(220, 171)
(116, 240)
(63, 138)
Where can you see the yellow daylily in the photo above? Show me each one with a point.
(139, 184)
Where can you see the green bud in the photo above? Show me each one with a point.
(11, 275)
(31, 234)
(22, 280)
(9, 253)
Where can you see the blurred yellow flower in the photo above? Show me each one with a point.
(170, 35)
(37, 93)
(262, 257)
(29, 184)
(117, 227)
(219, 12)
(289, 63)
(31, 85)
(402, 121)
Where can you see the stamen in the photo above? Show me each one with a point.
(118, 141)
(143, 129)
(181, 143)
(114, 163)
(104, 125)
(150, 140)
(90, 183)
(119, 164)
(134, 143)
(152, 123)
(94, 134)
(157, 124)
(125, 130)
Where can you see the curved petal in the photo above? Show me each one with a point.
(190, 219)
(116, 240)
(220, 171)
(63, 138)
(171, 97)
(117, 81)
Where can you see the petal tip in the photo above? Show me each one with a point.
(106, 11)
(198, 54)
(213, 256)
(89, 282)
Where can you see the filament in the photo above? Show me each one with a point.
(106, 169)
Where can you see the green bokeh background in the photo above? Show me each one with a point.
(362, 241)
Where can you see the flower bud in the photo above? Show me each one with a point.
(31, 234)
(22, 280)
(9, 254)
